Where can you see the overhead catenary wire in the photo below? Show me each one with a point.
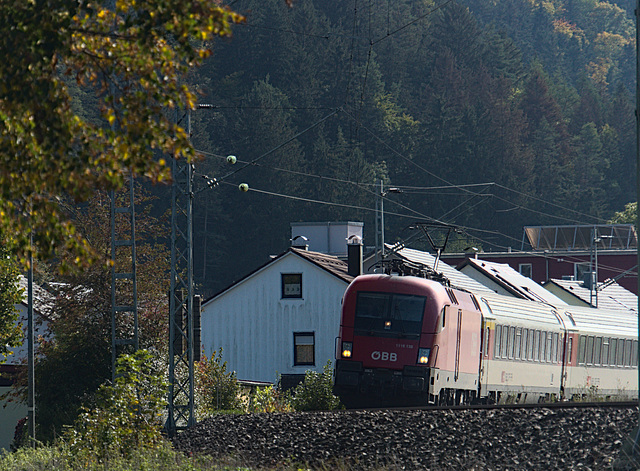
(279, 146)
(412, 162)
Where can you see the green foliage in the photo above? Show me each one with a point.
(10, 295)
(628, 216)
(270, 399)
(79, 348)
(216, 388)
(316, 391)
(128, 414)
(160, 458)
(134, 60)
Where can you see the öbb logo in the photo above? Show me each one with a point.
(384, 356)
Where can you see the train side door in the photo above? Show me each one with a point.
(484, 357)
(456, 373)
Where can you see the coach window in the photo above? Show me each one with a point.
(543, 345)
(485, 344)
(589, 353)
(634, 353)
(505, 335)
(549, 343)
(554, 357)
(292, 285)
(496, 347)
(612, 351)
(589, 356)
(597, 348)
(627, 353)
(582, 350)
(523, 350)
(512, 336)
(532, 333)
(304, 348)
(536, 346)
(620, 356)
(605, 351)
(518, 343)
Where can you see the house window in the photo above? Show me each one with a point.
(580, 269)
(292, 285)
(525, 270)
(304, 348)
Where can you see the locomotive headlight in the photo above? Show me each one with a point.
(423, 355)
(347, 348)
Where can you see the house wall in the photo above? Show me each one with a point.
(11, 412)
(255, 326)
(566, 297)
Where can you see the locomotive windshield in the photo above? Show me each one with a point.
(389, 314)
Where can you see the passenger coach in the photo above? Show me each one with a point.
(412, 341)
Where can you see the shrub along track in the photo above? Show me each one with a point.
(464, 438)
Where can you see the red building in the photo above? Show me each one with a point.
(570, 252)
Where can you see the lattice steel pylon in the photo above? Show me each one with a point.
(181, 408)
(124, 291)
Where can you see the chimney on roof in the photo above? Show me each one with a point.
(300, 242)
(354, 255)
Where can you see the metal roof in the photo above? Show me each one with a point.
(581, 237)
(612, 297)
(602, 321)
(42, 299)
(457, 279)
(505, 276)
(516, 311)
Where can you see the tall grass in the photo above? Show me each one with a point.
(59, 458)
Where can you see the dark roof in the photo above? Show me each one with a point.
(333, 265)
(330, 263)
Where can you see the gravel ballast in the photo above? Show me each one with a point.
(590, 438)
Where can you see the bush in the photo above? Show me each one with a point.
(270, 399)
(127, 416)
(215, 388)
(316, 391)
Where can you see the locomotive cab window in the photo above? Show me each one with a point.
(389, 314)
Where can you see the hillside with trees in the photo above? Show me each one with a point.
(488, 115)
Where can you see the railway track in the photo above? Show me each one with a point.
(540, 405)
(562, 435)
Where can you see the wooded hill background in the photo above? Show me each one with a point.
(490, 115)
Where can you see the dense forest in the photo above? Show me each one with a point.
(487, 115)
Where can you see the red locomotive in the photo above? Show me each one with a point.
(407, 340)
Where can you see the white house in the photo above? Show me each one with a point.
(281, 319)
(11, 412)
